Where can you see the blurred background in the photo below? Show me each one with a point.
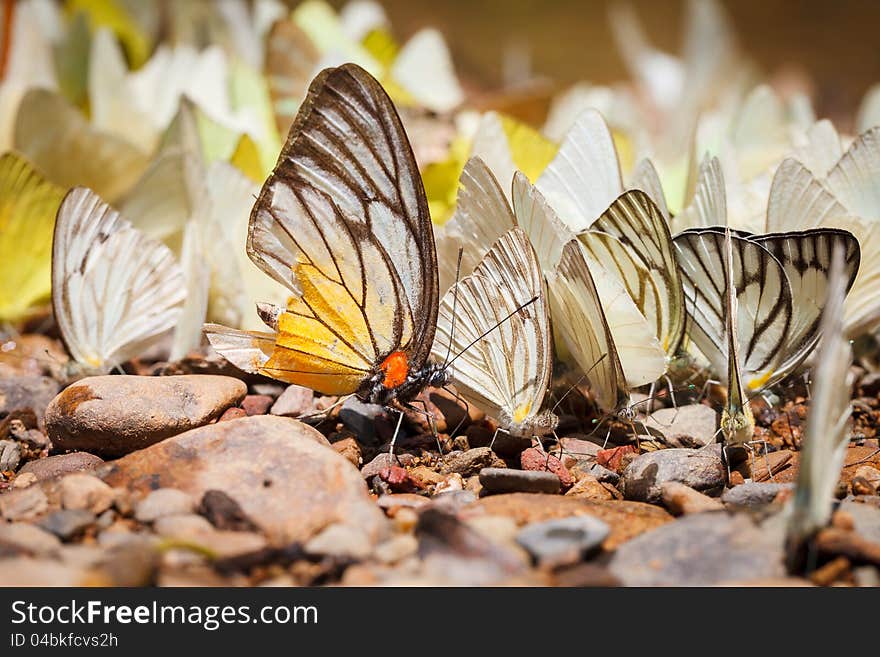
(830, 45)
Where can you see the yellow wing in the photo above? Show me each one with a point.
(28, 203)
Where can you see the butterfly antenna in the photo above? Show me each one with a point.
(488, 331)
(454, 305)
(578, 382)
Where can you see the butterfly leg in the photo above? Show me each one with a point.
(467, 409)
(394, 437)
(432, 424)
(495, 435)
(650, 400)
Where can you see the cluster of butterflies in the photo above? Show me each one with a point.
(551, 264)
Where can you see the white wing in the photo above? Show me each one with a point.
(602, 328)
(535, 216)
(806, 258)
(637, 223)
(507, 371)
(584, 177)
(115, 291)
(763, 300)
(491, 145)
(646, 178)
(708, 207)
(822, 149)
(482, 215)
(798, 201)
(827, 429)
(854, 179)
(869, 111)
(424, 68)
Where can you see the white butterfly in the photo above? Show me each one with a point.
(827, 428)
(497, 321)
(803, 196)
(115, 291)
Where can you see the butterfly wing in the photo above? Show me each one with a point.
(507, 371)
(798, 201)
(806, 257)
(854, 178)
(28, 203)
(827, 428)
(59, 140)
(708, 207)
(115, 291)
(763, 298)
(637, 223)
(482, 215)
(291, 59)
(584, 177)
(343, 222)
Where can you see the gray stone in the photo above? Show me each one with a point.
(54, 466)
(361, 418)
(10, 455)
(25, 537)
(21, 392)
(698, 422)
(701, 550)
(163, 502)
(23, 503)
(67, 524)
(470, 462)
(563, 541)
(701, 469)
(602, 473)
(385, 460)
(508, 480)
(866, 518)
(753, 494)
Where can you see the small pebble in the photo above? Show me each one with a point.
(507, 480)
(67, 524)
(163, 502)
(563, 541)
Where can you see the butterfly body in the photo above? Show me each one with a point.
(394, 380)
(523, 425)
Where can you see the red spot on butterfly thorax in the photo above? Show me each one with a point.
(396, 368)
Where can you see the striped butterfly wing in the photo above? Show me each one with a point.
(638, 224)
(708, 207)
(580, 319)
(499, 338)
(482, 215)
(115, 291)
(806, 257)
(763, 297)
(343, 223)
(826, 436)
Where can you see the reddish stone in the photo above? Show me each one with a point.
(232, 414)
(399, 480)
(535, 459)
(613, 458)
(256, 404)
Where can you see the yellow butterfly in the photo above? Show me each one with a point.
(28, 203)
(343, 223)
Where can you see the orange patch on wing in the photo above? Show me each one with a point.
(396, 368)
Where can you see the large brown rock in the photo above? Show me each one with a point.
(626, 519)
(116, 415)
(281, 472)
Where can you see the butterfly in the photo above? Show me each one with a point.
(115, 291)
(497, 318)
(827, 431)
(343, 223)
(755, 307)
(28, 203)
(829, 187)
